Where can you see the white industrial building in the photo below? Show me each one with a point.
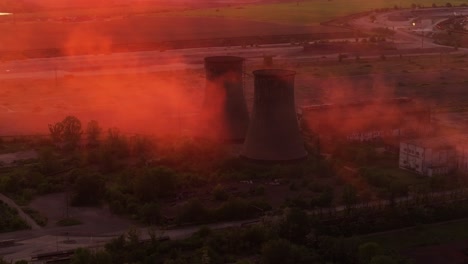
(435, 156)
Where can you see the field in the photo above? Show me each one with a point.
(302, 12)
(104, 27)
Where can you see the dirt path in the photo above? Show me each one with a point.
(21, 213)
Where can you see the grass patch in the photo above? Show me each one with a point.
(36, 216)
(423, 235)
(69, 222)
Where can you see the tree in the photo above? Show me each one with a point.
(295, 225)
(277, 252)
(141, 147)
(82, 256)
(381, 259)
(349, 196)
(71, 132)
(448, 4)
(113, 151)
(87, 189)
(56, 132)
(93, 132)
(367, 251)
(153, 183)
(67, 132)
(117, 144)
(48, 161)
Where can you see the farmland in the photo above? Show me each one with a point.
(302, 12)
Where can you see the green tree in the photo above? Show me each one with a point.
(381, 259)
(82, 256)
(87, 189)
(93, 133)
(117, 144)
(349, 197)
(150, 213)
(48, 161)
(295, 226)
(220, 193)
(141, 147)
(278, 251)
(56, 132)
(153, 183)
(71, 132)
(367, 251)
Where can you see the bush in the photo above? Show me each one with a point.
(368, 251)
(193, 212)
(220, 193)
(153, 183)
(277, 252)
(9, 219)
(88, 189)
(36, 216)
(68, 222)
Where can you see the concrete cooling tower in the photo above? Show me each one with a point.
(273, 133)
(224, 114)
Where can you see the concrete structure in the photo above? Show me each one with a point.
(224, 115)
(368, 120)
(428, 157)
(435, 156)
(273, 133)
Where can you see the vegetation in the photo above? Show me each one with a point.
(68, 222)
(302, 12)
(272, 242)
(9, 219)
(36, 216)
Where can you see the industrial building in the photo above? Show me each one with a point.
(224, 115)
(435, 156)
(273, 133)
(367, 120)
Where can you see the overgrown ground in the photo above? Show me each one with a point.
(422, 235)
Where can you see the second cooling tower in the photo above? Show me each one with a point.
(224, 115)
(273, 133)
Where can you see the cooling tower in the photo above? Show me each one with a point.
(273, 133)
(224, 115)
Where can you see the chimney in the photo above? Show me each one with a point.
(273, 133)
(224, 114)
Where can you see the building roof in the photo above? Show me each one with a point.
(447, 142)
